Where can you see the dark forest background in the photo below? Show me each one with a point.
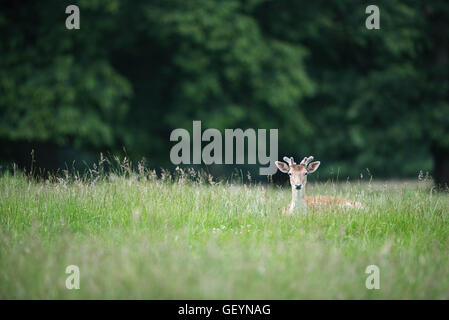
(354, 98)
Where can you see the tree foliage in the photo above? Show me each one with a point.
(356, 98)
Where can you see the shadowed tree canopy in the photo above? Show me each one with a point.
(382, 96)
(355, 98)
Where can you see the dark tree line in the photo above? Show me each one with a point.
(357, 98)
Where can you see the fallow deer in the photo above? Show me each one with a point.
(298, 180)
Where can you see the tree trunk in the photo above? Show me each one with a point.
(441, 167)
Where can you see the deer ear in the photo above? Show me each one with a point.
(311, 168)
(283, 167)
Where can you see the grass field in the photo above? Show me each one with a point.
(135, 236)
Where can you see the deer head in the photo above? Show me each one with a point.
(298, 172)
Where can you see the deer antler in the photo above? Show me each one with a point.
(290, 160)
(306, 161)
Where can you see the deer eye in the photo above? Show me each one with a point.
(305, 173)
(289, 173)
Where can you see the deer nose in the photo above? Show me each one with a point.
(298, 186)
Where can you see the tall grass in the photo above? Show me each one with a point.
(135, 235)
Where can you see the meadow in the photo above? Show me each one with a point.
(135, 235)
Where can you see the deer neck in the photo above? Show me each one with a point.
(298, 201)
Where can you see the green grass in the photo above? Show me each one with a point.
(134, 236)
